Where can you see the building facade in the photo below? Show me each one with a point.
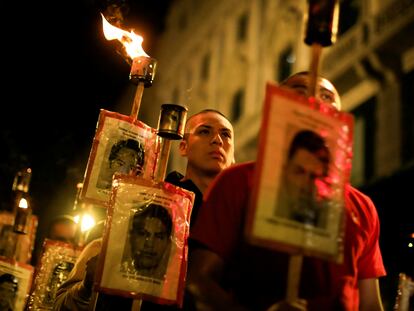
(221, 54)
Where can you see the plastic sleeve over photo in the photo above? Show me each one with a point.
(120, 145)
(144, 249)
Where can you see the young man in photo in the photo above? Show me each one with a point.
(227, 273)
(208, 145)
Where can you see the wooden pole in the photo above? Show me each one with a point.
(162, 162)
(316, 51)
(92, 302)
(137, 100)
(136, 305)
(295, 267)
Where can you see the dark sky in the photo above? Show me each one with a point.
(58, 71)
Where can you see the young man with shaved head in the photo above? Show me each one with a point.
(208, 145)
(228, 273)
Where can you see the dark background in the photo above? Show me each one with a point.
(57, 71)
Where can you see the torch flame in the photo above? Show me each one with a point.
(23, 203)
(131, 41)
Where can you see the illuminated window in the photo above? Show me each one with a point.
(285, 64)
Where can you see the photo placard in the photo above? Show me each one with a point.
(302, 169)
(57, 260)
(15, 281)
(13, 245)
(144, 250)
(120, 145)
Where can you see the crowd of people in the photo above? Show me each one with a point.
(226, 272)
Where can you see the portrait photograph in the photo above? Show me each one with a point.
(14, 245)
(56, 262)
(122, 146)
(303, 166)
(145, 243)
(15, 282)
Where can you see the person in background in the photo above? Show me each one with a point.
(208, 146)
(62, 228)
(227, 273)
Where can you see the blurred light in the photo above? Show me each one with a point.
(291, 58)
(87, 222)
(412, 235)
(410, 244)
(23, 203)
(76, 218)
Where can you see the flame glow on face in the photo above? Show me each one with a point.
(131, 41)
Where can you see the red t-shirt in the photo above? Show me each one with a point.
(257, 277)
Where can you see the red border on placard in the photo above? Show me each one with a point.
(328, 110)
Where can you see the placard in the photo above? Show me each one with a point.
(120, 145)
(144, 252)
(57, 260)
(15, 282)
(303, 165)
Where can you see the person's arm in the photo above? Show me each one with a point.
(369, 295)
(204, 274)
(75, 293)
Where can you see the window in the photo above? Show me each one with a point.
(285, 64)
(182, 21)
(363, 168)
(349, 11)
(205, 67)
(407, 114)
(242, 27)
(237, 106)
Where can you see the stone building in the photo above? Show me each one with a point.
(220, 54)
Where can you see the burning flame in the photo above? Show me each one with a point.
(23, 203)
(131, 41)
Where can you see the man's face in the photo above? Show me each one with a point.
(326, 92)
(7, 296)
(209, 143)
(149, 241)
(125, 160)
(304, 173)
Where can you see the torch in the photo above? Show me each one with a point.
(321, 31)
(21, 206)
(171, 125)
(143, 66)
(23, 213)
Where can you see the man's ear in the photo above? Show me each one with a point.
(183, 148)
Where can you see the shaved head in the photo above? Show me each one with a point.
(326, 91)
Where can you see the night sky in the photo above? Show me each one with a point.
(58, 70)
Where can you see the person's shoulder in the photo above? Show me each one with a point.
(360, 204)
(357, 196)
(238, 175)
(245, 168)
